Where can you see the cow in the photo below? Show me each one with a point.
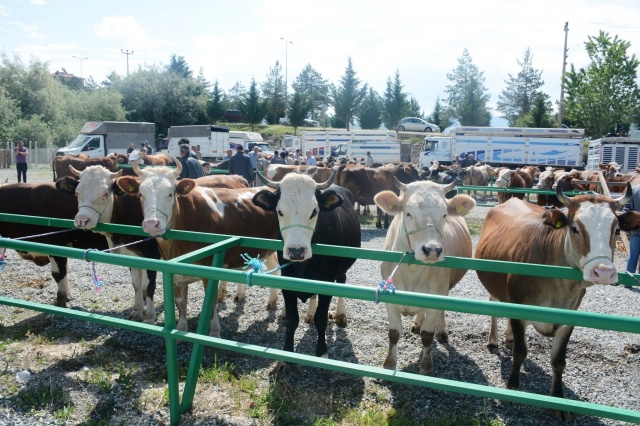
(430, 226)
(61, 163)
(477, 175)
(43, 199)
(443, 175)
(184, 205)
(364, 183)
(311, 213)
(518, 178)
(275, 172)
(546, 181)
(156, 160)
(582, 236)
(101, 201)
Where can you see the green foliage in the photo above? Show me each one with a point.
(467, 96)
(178, 65)
(605, 94)
(370, 114)
(298, 111)
(440, 115)
(39, 395)
(540, 114)
(314, 88)
(396, 105)
(215, 104)
(347, 96)
(413, 108)
(64, 414)
(99, 378)
(235, 95)
(253, 107)
(517, 99)
(274, 92)
(125, 379)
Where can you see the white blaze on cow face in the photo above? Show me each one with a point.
(158, 197)
(546, 179)
(504, 178)
(95, 196)
(590, 240)
(297, 212)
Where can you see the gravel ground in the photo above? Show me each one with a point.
(67, 360)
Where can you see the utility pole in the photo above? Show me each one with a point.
(564, 67)
(126, 52)
(81, 59)
(286, 64)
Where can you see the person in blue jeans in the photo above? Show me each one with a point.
(634, 239)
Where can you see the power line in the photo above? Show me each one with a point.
(126, 52)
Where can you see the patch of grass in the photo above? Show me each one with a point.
(125, 379)
(474, 225)
(99, 378)
(367, 219)
(41, 396)
(225, 373)
(64, 414)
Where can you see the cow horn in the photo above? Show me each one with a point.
(624, 198)
(269, 183)
(136, 168)
(74, 170)
(116, 174)
(325, 185)
(566, 201)
(178, 165)
(449, 186)
(401, 186)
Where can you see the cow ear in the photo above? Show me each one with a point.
(128, 184)
(116, 190)
(67, 184)
(389, 202)
(554, 218)
(185, 186)
(629, 221)
(267, 200)
(602, 167)
(328, 200)
(461, 204)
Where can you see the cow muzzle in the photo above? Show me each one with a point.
(430, 252)
(296, 253)
(84, 221)
(153, 226)
(601, 274)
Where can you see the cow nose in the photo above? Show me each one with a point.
(602, 274)
(296, 253)
(150, 225)
(81, 221)
(432, 249)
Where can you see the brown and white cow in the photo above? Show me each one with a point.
(275, 172)
(477, 175)
(431, 226)
(581, 237)
(183, 205)
(61, 163)
(518, 178)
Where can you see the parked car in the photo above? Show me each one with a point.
(232, 116)
(415, 124)
(311, 123)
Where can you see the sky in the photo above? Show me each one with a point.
(236, 41)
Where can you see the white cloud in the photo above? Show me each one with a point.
(127, 30)
(39, 2)
(3, 11)
(31, 30)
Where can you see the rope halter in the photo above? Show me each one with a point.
(422, 228)
(297, 225)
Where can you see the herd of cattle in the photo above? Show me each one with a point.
(315, 205)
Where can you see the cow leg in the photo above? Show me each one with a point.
(558, 363)
(492, 341)
(181, 294)
(137, 312)
(311, 310)
(214, 324)
(340, 314)
(292, 320)
(417, 322)
(519, 353)
(395, 331)
(149, 293)
(508, 335)
(442, 335)
(222, 291)
(271, 263)
(379, 218)
(61, 277)
(386, 221)
(321, 319)
(427, 333)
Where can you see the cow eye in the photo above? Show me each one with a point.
(574, 230)
(280, 213)
(314, 213)
(409, 215)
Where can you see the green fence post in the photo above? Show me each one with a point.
(172, 349)
(195, 362)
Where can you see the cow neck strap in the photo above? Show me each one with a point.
(297, 225)
(422, 228)
(581, 266)
(156, 209)
(91, 208)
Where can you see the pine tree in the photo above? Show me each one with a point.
(395, 103)
(253, 107)
(215, 104)
(298, 110)
(273, 91)
(312, 87)
(347, 97)
(440, 115)
(370, 115)
(467, 96)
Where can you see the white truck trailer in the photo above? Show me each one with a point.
(509, 146)
(383, 144)
(622, 150)
(100, 138)
(214, 140)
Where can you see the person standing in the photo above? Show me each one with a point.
(311, 161)
(368, 161)
(240, 164)
(228, 155)
(191, 167)
(297, 157)
(130, 149)
(198, 153)
(148, 147)
(21, 152)
(634, 237)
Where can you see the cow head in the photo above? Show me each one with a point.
(298, 200)
(546, 178)
(504, 178)
(611, 171)
(158, 189)
(94, 189)
(421, 211)
(590, 223)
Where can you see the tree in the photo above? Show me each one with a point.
(273, 91)
(347, 97)
(310, 84)
(540, 114)
(111, 79)
(517, 99)
(178, 65)
(236, 93)
(370, 114)
(467, 96)
(298, 110)
(215, 104)
(605, 94)
(413, 108)
(395, 103)
(252, 107)
(440, 115)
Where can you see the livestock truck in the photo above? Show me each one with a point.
(622, 150)
(100, 138)
(349, 144)
(214, 140)
(509, 146)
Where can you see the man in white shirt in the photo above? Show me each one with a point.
(311, 161)
(368, 161)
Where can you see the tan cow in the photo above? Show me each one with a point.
(581, 237)
(61, 163)
(275, 172)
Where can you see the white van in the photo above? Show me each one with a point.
(248, 140)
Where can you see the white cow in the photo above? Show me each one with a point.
(429, 225)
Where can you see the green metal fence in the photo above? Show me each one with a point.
(218, 244)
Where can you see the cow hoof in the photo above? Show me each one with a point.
(61, 300)
(238, 299)
(561, 416)
(272, 305)
(219, 299)
(493, 349)
(341, 319)
(509, 344)
(442, 337)
(426, 371)
(135, 316)
(308, 320)
(378, 225)
(415, 329)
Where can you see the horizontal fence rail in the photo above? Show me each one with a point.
(217, 244)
